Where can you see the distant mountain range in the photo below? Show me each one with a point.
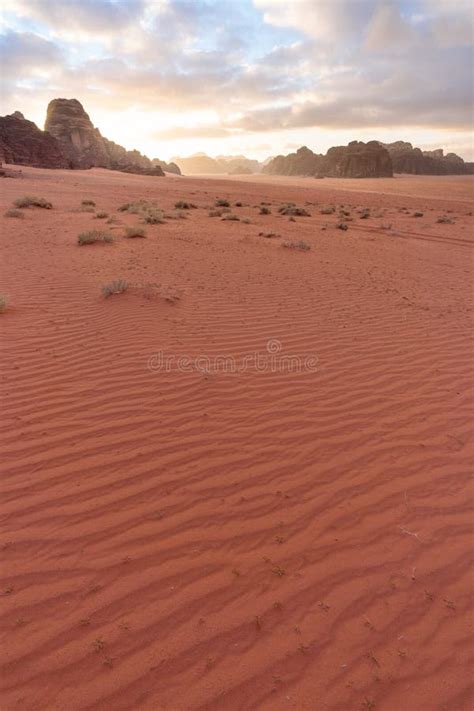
(70, 140)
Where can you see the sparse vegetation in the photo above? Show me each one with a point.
(291, 209)
(215, 213)
(86, 203)
(86, 208)
(101, 215)
(133, 232)
(222, 203)
(94, 236)
(444, 220)
(246, 220)
(183, 205)
(231, 217)
(3, 303)
(12, 212)
(417, 214)
(265, 210)
(153, 216)
(118, 286)
(301, 245)
(32, 201)
(238, 204)
(342, 226)
(327, 210)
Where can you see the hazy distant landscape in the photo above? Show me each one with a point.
(236, 316)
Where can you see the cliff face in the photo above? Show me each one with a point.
(407, 159)
(303, 162)
(23, 143)
(167, 167)
(357, 160)
(83, 145)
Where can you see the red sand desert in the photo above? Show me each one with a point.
(203, 540)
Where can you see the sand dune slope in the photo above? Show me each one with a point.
(294, 535)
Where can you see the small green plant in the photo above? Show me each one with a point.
(118, 286)
(86, 203)
(301, 245)
(3, 303)
(133, 232)
(265, 210)
(94, 236)
(222, 203)
(32, 201)
(101, 215)
(14, 213)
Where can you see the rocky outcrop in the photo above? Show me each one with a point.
(303, 162)
(407, 159)
(167, 167)
(200, 163)
(22, 142)
(357, 160)
(84, 146)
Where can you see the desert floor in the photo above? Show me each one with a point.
(292, 535)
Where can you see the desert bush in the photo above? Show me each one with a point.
(246, 220)
(118, 286)
(153, 216)
(32, 201)
(265, 210)
(183, 205)
(327, 210)
(231, 217)
(137, 206)
(14, 213)
(291, 209)
(176, 215)
(222, 203)
(88, 203)
(133, 232)
(3, 303)
(365, 214)
(268, 235)
(94, 236)
(101, 215)
(215, 213)
(417, 214)
(302, 245)
(342, 226)
(238, 204)
(444, 220)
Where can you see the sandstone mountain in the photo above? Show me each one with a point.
(85, 147)
(167, 167)
(356, 160)
(407, 159)
(222, 165)
(23, 143)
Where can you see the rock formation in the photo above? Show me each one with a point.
(84, 146)
(407, 159)
(222, 165)
(167, 167)
(357, 160)
(23, 143)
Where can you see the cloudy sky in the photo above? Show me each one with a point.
(260, 77)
